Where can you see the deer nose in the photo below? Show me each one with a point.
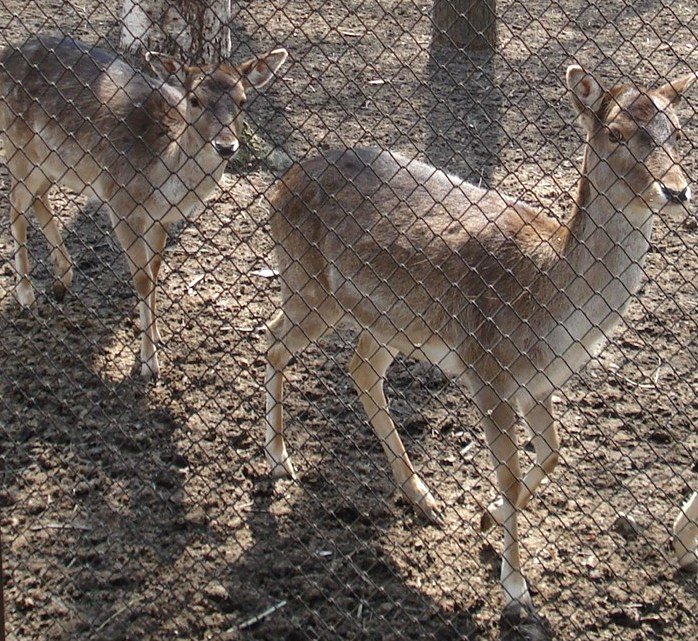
(226, 150)
(677, 196)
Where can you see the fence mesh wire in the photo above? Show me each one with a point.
(141, 510)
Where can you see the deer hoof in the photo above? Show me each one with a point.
(423, 501)
(24, 292)
(280, 463)
(492, 515)
(59, 290)
(430, 509)
(150, 370)
(283, 470)
(689, 562)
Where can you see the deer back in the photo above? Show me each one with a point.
(411, 250)
(77, 110)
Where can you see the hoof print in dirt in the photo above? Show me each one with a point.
(522, 623)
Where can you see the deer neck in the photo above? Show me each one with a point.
(610, 224)
(193, 158)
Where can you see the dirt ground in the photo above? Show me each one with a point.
(134, 512)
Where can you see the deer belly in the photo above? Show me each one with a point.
(439, 353)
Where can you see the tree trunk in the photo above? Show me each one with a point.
(470, 24)
(194, 31)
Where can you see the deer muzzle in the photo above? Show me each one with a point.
(226, 148)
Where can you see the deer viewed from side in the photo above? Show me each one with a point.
(496, 293)
(152, 149)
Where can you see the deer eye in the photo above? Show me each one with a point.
(194, 102)
(615, 135)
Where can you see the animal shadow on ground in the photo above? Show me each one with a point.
(345, 583)
(91, 480)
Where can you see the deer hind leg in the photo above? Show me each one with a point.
(21, 199)
(685, 539)
(500, 431)
(546, 443)
(62, 263)
(290, 331)
(139, 257)
(368, 368)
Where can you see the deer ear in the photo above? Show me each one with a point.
(258, 71)
(587, 91)
(166, 68)
(674, 90)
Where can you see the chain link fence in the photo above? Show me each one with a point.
(140, 509)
